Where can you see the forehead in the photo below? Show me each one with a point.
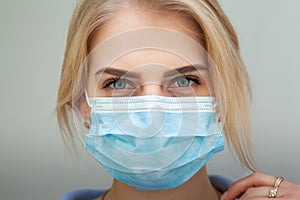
(131, 39)
(134, 18)
(152, 59)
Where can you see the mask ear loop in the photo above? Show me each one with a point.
(87, 99)
(218, 116)
(87, 122)
(217, 113)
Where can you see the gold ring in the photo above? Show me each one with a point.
(278, 181)
(274, 190)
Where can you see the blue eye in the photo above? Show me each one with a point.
(183, 82)
(119, 84)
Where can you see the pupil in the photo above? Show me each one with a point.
(183, 82)
(120, 84)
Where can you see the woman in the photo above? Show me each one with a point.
(158, 84)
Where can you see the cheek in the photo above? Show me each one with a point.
(202, 90)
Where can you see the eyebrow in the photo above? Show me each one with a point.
(173, 72)
(185, 69)
(117, 72)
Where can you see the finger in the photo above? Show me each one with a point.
(254, 180)
(259, 192)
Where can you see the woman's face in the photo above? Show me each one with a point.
(146, 71)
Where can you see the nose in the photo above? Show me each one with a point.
(153, 89)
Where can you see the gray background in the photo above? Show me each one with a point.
(34, 163)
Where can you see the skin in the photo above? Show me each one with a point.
(199, 186)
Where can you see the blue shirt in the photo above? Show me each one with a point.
(219, 182)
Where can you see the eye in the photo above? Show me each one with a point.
(117, 83)
(120, 84)
(185, 81)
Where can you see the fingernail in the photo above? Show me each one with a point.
(223, 197)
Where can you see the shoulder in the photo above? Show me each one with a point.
(221, 183)
(82, 194)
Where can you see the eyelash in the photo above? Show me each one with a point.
(110, 81)
(190, 78)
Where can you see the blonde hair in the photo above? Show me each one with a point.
(231, 84)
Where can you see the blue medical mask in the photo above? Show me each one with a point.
(153, 142)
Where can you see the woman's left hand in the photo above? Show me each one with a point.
(257, 186)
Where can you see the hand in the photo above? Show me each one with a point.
(257, 186)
